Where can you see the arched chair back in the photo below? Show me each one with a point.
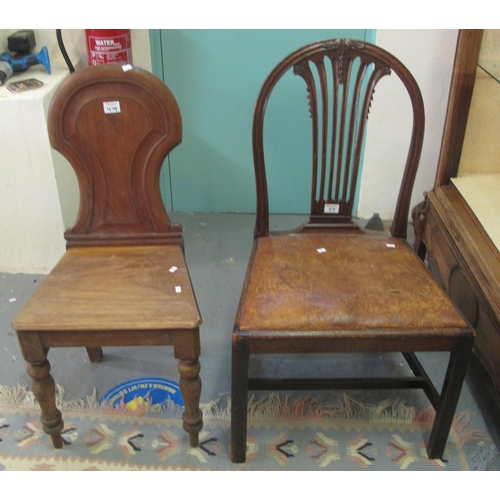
(116, 126)
(340, 77)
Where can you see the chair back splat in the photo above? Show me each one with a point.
(331, 286)
(340, 76)
(116, 136)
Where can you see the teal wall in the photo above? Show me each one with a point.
(216, 76)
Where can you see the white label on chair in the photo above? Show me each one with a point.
(178, 289)
(321, 250)
(390, 245)
(111, 107)
(331, 208)
(173, 269)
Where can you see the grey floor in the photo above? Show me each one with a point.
(217, 251)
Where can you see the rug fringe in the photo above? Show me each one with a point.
(267, 408)
(12, 395)
(464, 432)
(483, 457)
(346, 408)
(274, 407)
(20, 396)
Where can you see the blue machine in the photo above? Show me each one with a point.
(21, 44)
(21, 62)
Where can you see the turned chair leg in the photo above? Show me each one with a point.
(190, 386)
(45, 393)
(239, 401)
(454, 378)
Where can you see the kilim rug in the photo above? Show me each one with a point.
(283, 434)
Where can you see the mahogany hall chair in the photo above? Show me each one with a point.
(331, 286)
(123, 279)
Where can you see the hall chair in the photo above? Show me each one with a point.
(332, 286)
(123, 280)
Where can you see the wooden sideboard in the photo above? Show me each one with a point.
(457, 227)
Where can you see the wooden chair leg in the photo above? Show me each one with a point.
(455, 375)
(190, 386)
(45, 393)
(239, 401)
(95, 354)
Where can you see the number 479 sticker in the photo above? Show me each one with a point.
(111, 107)
(332, 208)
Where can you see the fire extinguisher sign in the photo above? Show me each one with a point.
(109, 46)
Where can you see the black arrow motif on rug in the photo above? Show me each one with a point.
(362, 447)
(206, 450)
(281, 445)
(66, 431)
(131, 442)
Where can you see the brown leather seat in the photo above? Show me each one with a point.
(359, 282)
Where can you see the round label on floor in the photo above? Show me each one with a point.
(142, 393)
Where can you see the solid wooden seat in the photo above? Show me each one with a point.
(331, 286)
(113, 288)
(123, 280)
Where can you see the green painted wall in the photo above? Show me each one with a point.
(216, 76)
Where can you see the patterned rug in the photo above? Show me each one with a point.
(283, 434)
